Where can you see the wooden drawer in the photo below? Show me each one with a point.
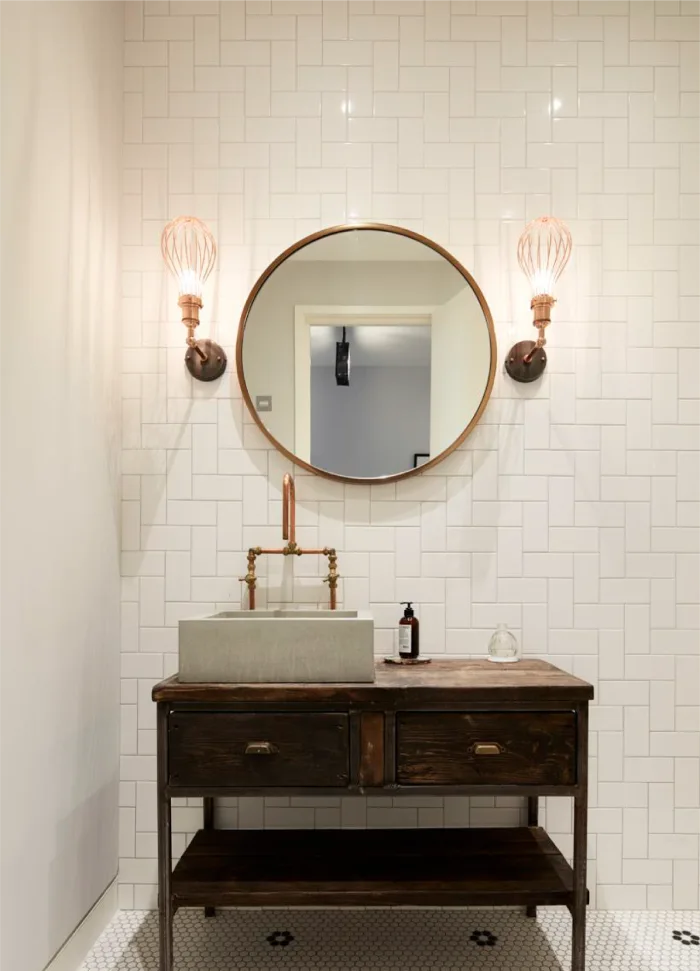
(486, 748)
(258, 750)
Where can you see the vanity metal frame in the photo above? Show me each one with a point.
(520, 866)
(331, 231)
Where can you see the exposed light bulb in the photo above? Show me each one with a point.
(190, 282)
(543, 252)
(189, 251)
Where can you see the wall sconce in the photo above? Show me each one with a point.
(189, 251)
(543, 251)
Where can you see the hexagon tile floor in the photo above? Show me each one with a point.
(400, 940)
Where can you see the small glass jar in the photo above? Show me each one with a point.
(503, 646)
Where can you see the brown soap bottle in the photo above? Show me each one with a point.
(408, 633)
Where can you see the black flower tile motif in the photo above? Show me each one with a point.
(483, 938)
(397, 940)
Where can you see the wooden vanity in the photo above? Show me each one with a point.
(452, 727)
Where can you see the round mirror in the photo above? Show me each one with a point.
(366, 353)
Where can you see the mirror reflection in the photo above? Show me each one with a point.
(366, 353)
(387, 395)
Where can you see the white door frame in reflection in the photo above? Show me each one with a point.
(306, 317)
(347, 228)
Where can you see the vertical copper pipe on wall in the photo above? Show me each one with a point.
(249, 579)
(289, 514)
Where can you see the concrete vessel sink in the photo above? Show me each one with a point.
(252, 646)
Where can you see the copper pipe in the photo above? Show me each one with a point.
(250, 579)
(333, 576)
(289, 515)
(291, 549)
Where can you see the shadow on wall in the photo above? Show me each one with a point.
(80, 837)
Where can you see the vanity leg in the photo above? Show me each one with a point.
(532, 818)
(532, 810)
(578, 944)
(209, 824)
(165, 853)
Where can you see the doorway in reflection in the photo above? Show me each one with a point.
(376, 424)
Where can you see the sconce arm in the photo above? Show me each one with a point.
(196, 346)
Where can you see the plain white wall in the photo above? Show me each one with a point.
(460, 359)
(374, 426)
(61, 161)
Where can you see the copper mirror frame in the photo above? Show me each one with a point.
(331, 231)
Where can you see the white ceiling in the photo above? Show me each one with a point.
(366, 244)
(373, 346)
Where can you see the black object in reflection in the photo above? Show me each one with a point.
(342, 362)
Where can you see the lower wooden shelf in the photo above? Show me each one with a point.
(424, 867)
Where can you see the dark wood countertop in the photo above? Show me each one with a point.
(443, 680)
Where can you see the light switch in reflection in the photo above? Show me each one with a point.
(263, 402)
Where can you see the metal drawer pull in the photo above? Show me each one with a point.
(260, 748)
(487, 748)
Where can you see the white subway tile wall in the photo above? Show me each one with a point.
(573, 510)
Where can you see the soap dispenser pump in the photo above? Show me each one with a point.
(408, 633)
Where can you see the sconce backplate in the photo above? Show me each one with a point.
(516, 366)
(211, 368)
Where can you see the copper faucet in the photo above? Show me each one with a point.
(291, 548)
